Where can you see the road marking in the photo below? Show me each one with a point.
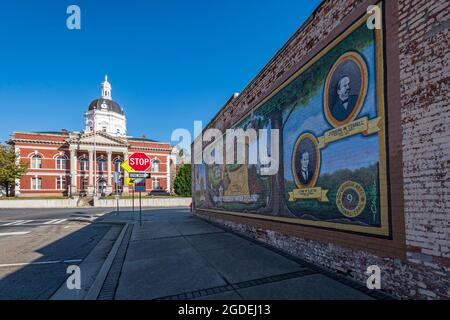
(51, 221)
(31, 222)
(38, 263)
(14, 233)
(13, 223)
(23, 222)
(60, 221)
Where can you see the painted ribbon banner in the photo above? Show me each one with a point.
(310, 193)
(362, 126)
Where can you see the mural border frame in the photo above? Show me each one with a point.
(385, 230)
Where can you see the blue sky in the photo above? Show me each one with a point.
(169, 62)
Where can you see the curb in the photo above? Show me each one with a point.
(96, 287)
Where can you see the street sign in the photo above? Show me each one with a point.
(139, 185)
(139, 161)
(140, 175)
(126, 166)
(129, 181)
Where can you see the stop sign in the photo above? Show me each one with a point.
(139, 161)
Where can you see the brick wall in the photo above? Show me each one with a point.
(419, 133)
(52, 146)
(425, 95)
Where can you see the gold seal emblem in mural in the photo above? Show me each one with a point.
(306, 161)
(351, 199)
(345, 89)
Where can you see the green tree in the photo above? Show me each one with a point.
(183, 184)
(9, 169)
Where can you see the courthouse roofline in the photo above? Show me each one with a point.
(69, 133)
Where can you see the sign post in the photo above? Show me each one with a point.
(116, 182)
(139, 186)
(140, 209)
(136, 165)
(130, 182)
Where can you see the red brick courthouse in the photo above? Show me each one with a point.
(360, 97)
(83, 163)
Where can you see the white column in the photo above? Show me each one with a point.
(109, 164)
(91, 173)
(168, 173)
(73, 172)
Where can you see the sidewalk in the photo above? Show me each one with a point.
(175, 255)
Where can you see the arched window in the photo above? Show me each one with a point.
(117, 164)
(155, 166)
(101, 165)
(61, 163)
(36, 162)
(84, 164)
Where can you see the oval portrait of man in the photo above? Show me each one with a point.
(345, 89)
(306, 161)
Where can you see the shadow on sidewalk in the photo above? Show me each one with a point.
(172, 255)
(37, 279)
(176, 255)
(25, 277)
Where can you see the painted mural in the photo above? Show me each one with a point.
(235, 187)
(332, 120)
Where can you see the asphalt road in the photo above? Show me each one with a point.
(33, 214)
(37, 246)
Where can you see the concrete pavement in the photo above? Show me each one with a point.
(175, 255)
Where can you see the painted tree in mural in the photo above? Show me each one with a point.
(183, 181)
(242, 188)
(9, 169)
(298, 94)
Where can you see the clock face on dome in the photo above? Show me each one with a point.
(104, 105)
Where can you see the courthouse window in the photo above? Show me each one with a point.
(84, 184)
(84, 164)
(36, 183)
(117, 167)
(156, 184)
(101, 165)
(61, 183)
(155, 166)
(36, 162)
(61, 163)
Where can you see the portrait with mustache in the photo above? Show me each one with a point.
(345, 86)
(344, 102)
